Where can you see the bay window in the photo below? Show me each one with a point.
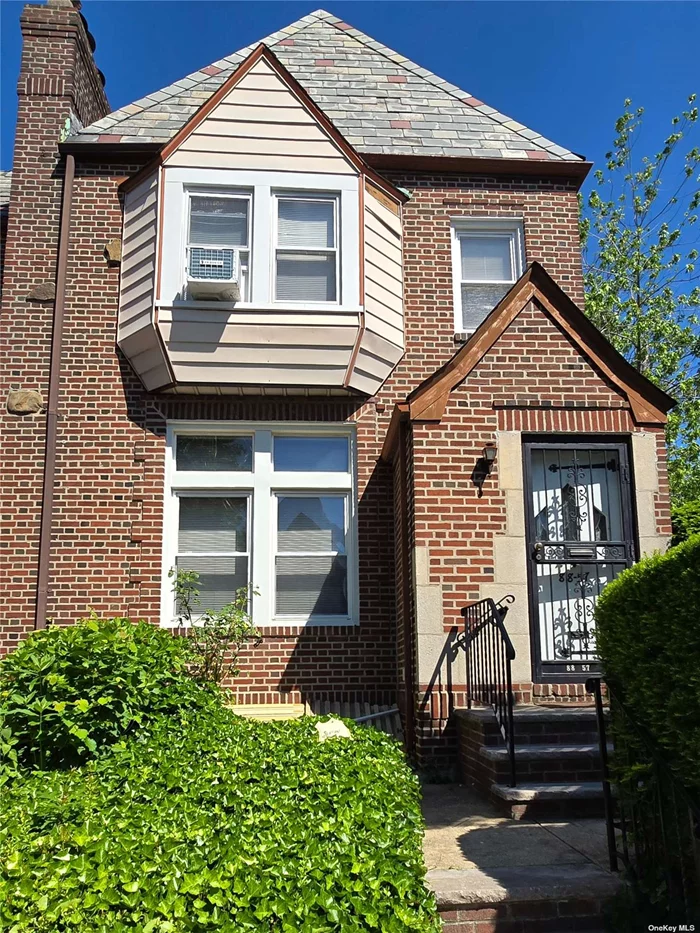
(260, 239)
(272, 506)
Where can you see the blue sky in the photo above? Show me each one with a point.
(562, 68)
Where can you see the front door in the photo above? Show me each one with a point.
(579, 530)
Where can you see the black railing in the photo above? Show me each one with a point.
(489, 655)
(653, 821)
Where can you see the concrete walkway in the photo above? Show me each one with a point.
(479, 860)
(464, 831)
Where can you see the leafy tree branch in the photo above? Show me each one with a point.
(640, 237)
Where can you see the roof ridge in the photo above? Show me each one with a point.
(530, 136)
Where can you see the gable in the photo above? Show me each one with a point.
(261, 123)
(649, 404)
(534, 363)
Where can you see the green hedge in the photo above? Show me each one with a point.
(648, 625)
(217, 823)
(132, 799)
(686, 520)
(69, 691)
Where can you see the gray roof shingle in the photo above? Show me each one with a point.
(379, 100)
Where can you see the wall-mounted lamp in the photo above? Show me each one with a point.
(490, 452)
(483, 465)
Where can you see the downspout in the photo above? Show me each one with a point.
(408, 629)
(47, 497)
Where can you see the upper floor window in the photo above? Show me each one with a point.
(488, 258)
(263, 240)
(306, 259)
(218, 245)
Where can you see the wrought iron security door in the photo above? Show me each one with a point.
(579, 539)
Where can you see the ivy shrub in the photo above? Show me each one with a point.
(68, 691)
(685, 519)
(218, 823)
(648, 636)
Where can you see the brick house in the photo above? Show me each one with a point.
(309, 318)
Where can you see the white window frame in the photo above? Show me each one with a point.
(331, 197)
(262, 484)
(180, 183)
(463, 227)
(234, 195)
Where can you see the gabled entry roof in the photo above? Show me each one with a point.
(649, 403)
(380, 101)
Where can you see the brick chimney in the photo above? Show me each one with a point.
(59, 86)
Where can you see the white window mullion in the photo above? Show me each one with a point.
(261, 292)
(262, 527)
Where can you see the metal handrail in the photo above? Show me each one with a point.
(490, 653)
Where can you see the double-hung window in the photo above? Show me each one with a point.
(218, 240)
(272, 506)
(487, 260)
(306, 251)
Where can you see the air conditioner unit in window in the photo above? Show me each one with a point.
(213, 274)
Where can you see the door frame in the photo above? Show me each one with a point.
(531, 442)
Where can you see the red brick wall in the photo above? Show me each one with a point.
(549, 211)
(57, 78)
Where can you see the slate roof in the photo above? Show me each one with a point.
(379, 100)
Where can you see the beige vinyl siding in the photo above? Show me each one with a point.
(382, 343)
(272, 321)
(136, 332)
(259, 348)
(260, 124)
(292, 375)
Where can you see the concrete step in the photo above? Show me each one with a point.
(551, 898)
(540, 752)
(543, 764)
(549, 800)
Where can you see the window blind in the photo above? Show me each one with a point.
(307, 582)
(486, 259)
(305, 277)
(311, 523)
(305, 224)
(219, 578)
(212, 524)
(311, 585)
(219, 221)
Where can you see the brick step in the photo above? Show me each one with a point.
(536, 899)
(549, 800)
(543, 764)
(532, 725)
